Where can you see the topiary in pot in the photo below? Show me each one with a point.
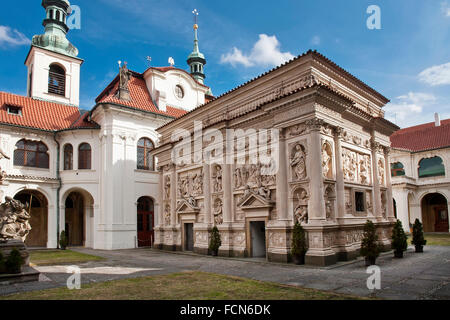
(63, 240)
(370, 248)
(299, 244)
(399, 240)
(14, 262)
(215, 242)
(418, 239)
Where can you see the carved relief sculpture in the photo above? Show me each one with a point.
(301, 209)
(197, 181)
(326, 160)
(14, 221)
(167, 215)
(329, 203)
(298, 161)
(364, 169)
(381, 171)
(167, 187)
(218, 214)
(217, 179)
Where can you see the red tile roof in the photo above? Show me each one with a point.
(422, 137)
(140, 97)
(39, 114)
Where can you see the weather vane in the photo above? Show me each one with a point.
(195, 12)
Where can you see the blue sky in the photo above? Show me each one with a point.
(408, 60)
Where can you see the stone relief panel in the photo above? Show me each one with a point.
(356, 166)
(301, 206)
(217, 178)
(252, 176)
(298, 162)
(330, 200)
(364, 169)
(167, 215)
(277, 239)
(218, 211)
(327, 163)
(201, 237)
(190, 184)
(296, 130)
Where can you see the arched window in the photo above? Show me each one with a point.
(431, 167)
(84, 156)
(57, 80)
(31, 154)
(397, 169)
(144, 160)
(68, 157)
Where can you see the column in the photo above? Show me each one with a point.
(207, 192)
(340, 190)
(227, 194)
(160, 218)
(390, 202)
(173, 195)
(376, 184)
(282, 180)
(316, 193)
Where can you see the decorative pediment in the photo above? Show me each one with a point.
(187, 206)
(253, 201)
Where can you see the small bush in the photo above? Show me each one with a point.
(63, 240)
(215, 242)
(14, 262)
(418, 239)
(370, 247)
(299, 244)
(399, 238)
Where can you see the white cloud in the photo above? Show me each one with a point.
(436, 75)
(315, 40)
(446, 8)
(12, 37)
(410, 109)
(265, 52)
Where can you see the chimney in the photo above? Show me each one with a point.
(437, 120)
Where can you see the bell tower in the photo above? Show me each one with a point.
(52, 62)
(196, 60)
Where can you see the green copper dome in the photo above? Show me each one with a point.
(196, 60)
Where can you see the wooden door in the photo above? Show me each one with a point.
(441, 220)
(145, 222)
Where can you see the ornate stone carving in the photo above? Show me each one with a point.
(297, 130)
(381, 171)
(183, 187)
(301, 206)
(383, 205)
(14, 221)
(330, 199)
(327, 165)
(218, 212)
(350, 165)
(217, 178)
(364, 169)
(167, 187)
(167, 215)
(298, 161)
(197, 182)
(315, 124)
(254, 176)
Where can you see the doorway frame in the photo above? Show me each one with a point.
(183, 234)
(248, 235)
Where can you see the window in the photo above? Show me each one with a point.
(14, 110)
(397, 169)
(179, 92)
(58, 15)
(31, 154)
(144, 159)
(57, 80)
(84, 157)
(359, 202)
(68, 157)
(431, 167)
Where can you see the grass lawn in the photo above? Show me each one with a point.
(182, 286)
(53, 257)
(435, 239)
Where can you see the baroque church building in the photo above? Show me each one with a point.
(111, 177)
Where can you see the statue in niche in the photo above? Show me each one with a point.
(329, 203)
(217, 179)
(326, 160)
(238, 181)
(197, 181)
(298, 162)
(167, 215)
(167, 187)
(14, 221)
(301, 210)
(218, 214)
(364, 170)
(381, 172)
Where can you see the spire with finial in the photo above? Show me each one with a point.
(196, 59)
(55, 23)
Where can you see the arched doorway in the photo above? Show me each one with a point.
(75, 219)
(38, 209)
(145, 222)
(435, 213)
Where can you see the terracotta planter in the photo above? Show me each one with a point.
(370, 261)
(419, 249)
(299, 259)
(398, 254)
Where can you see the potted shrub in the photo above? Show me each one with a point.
(14, 262)
(215, 242)
(399, 240)
(63, 240)
(418, 240)
(299, 245)
(370, 248)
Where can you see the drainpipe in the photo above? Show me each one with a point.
(58, 176)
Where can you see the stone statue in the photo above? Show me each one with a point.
(167, 215)
(218, 215)
(167, 187)
(218, 179)
(14, 221)
(326, 161)
(301, 210)
(125, 76)
(237, 178)
(298, 162)
(381, 172)
(197, 182)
